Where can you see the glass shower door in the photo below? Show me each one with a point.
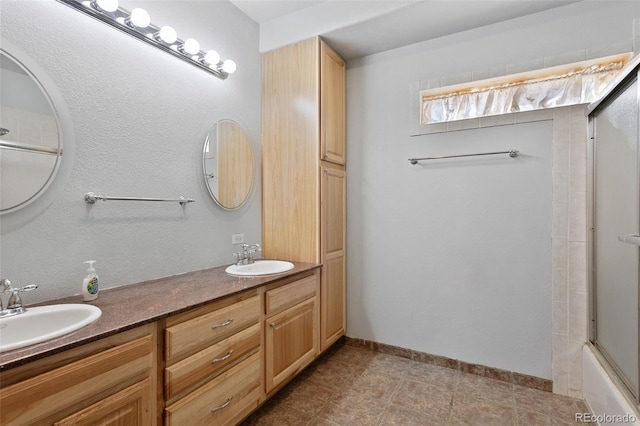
(617, 225)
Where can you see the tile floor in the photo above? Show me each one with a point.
(350, 386)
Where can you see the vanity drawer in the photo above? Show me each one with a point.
(223, 401)
(210, 362)
(204, 330)
(291, 294)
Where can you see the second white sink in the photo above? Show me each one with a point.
(260, 267)
(43, 323)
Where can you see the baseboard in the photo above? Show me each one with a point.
(442, 361)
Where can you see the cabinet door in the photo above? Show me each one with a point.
(63, 391)
(290, 152)
(291, 342)
(129, 407)
(332, 287)
(332, 105)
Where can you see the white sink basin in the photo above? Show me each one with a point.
(42, 323)
(260, 267)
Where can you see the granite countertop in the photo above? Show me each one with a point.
(130, 306)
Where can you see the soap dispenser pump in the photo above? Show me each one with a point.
(90, 283)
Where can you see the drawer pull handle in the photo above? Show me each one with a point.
(273, 324)
(224, 324)
(224, 358)
(223, 406)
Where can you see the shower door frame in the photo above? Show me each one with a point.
(610, 365)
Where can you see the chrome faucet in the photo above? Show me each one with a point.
(245, 256)
(14, 304)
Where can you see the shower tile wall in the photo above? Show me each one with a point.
(569, 247)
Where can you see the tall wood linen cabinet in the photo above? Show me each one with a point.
(303, 168)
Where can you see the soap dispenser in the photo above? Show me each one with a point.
(90, 283)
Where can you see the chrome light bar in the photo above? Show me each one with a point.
(137, 23)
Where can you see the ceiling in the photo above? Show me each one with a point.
(266, 10)
(357, 28)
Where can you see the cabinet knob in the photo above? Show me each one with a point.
(273, 324)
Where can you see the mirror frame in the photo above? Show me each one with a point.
(250, 190)
(17, 216)
(52, 173)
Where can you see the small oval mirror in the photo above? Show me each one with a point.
(30, 138)
(228, 164)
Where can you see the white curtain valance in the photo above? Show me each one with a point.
(581, 82)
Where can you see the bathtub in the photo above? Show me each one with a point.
(607, 403)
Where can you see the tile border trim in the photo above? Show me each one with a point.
(455, 364)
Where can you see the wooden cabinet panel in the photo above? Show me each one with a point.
(290, 152)
(291, 342)
(333, 280)
(332, 291)
(333, 211)
(204, 330)
(208, 363)
(222, 401)
(332, 105)
(288, 295)
(129, 407)
(58, 393)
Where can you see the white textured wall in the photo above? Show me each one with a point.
(442, 259)
(140, 117)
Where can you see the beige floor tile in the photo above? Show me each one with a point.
(349, 409)
(433, 374)
(477, 412)
(352, 386)
(387, 364)
(532, 418)
(333, 373)
(559, 407)
(278, 415)
(352, 355)
(433, 402)
(394, 416)
(306, 396)
(372, 385)
(485, 389)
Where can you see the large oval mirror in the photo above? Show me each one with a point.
(30, 136)
(228, 164)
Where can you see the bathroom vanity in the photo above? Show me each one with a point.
(202, 347)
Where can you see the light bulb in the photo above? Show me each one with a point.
(167, 35)
(229, 66)
(138, 18)
(190, 46)
(212, 57)
(105, 5)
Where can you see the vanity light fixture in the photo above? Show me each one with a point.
(139, 18)
(189, 47)
(166, 35)
(137, 23)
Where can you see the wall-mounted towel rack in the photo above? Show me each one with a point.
(91, 198)
(512, 153)
(21, 146)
